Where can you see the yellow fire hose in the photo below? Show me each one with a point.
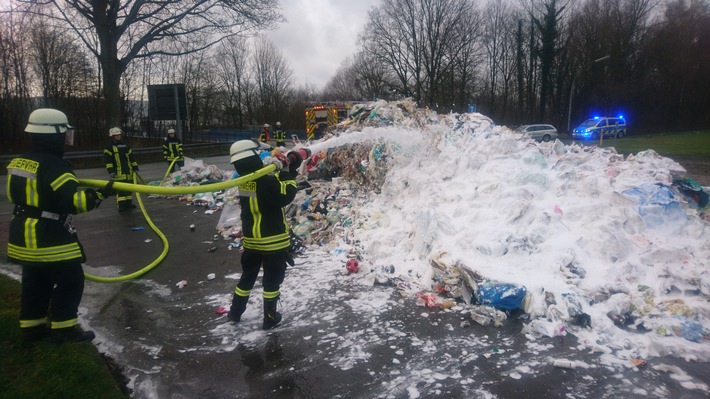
(146, 189)
(170, 169)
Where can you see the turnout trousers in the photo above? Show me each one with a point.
(51, 292)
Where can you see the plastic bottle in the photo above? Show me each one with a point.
(564, 363)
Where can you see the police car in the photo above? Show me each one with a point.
(606, 126)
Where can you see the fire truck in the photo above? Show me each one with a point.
(322, 116)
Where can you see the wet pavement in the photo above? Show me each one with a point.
(340, 338)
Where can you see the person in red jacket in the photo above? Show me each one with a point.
(264, 136)
(264, 227)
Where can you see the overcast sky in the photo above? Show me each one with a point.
(319, 35)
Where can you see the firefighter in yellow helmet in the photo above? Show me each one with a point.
(46, 193)
(120, 166)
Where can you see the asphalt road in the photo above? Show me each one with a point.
(170, 343)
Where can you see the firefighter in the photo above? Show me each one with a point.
(46, 193)
(264, 136)
(172, 150)
(120, 166)
(280, 135)
(265, 231)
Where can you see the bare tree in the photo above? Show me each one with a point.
(60, 64)
(14, 86)
(360, 78)
(392, 39)
(547, 21)
(443, 38)
(119, 32)
(418, 40)
(342, 84)
(617, 29)
(498, 38)
(677, 81)
(234, 56)
(466, 59)
(370, 79)
(273, 78)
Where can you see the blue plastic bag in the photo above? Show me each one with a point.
(657, 206)
(501, 296)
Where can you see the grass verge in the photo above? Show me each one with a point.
(685, 144)
(46, 370)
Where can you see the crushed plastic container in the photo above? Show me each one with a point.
(481, 319)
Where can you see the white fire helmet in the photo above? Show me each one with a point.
(266, 125)
(171, 131)
(242, 149)
(278, 124)
(47, 121)
(114, 131)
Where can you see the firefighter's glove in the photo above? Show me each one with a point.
(294, 161)
(279, 160)
(105, 191)
(112, 175)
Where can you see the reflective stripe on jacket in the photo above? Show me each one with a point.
(172, 149)
(262, 201)
(280, 135)
(118, 159)
(45, 184)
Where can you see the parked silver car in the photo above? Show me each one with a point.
(539, 132)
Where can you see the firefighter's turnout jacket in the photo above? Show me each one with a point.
(262, 201)
(45, 191)
(119, 160)
(172, 149)
(280, 137)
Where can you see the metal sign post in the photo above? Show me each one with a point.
(168, 102)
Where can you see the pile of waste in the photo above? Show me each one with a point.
(196, 173)
(634, 258)
(459, 213)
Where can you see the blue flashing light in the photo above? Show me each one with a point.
(621, 116)
(596, 117)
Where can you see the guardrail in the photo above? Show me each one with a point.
(94, 158)
(214, 142)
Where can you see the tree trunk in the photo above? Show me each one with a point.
(112, 94)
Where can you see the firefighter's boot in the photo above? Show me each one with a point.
(271, 317)
(71, 334)
(34, 334)
(239, 305)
